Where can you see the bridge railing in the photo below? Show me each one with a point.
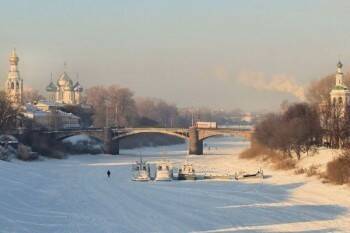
(149, 129)
(153, 129)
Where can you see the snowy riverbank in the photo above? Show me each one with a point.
(74, 195)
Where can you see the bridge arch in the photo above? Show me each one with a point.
(115, 140)
(238, 134)
(132, 133)
(99, 138)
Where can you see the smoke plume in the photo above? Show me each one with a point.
(277, 83)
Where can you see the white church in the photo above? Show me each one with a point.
(64, 91)
(42, 112)
(340, 94)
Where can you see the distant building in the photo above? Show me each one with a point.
(340, 94)
(14, 82)
(47, 115)
(46, 105)
(247, 117)
(64, 91)
(339, 97)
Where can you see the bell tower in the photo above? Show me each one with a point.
(340, 94)
(14, 83)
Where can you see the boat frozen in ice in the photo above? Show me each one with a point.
(164, 171)
(187, 172)
(244, 175)
(141, 171)
(218, 177)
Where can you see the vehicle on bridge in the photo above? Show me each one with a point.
(141, 171)
(164, 171)
(206, 125)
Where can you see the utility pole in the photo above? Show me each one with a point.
(107, 121)
(192, 117)
(116, 115)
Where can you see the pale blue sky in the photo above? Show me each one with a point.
(189, 52)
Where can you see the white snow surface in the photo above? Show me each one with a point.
(75, 195)
(79, 138)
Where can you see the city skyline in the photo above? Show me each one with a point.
(200, 53)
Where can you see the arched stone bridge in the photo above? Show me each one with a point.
(112, 136)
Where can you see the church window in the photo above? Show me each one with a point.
(17, 85)
(12, 86)
(340, 100)
(334, 100)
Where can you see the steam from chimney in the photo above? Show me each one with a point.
(277, 83)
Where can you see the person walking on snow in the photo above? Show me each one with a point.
(108, 173)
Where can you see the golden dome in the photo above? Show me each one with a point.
(65, 81)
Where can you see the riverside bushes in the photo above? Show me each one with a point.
(279, 160)
(293, 132)
(254, 151)
(338, 170)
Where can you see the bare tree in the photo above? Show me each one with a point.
(96, 97)
(122, 106)
(8, 112)
(32, 96)
(272, 133)
(296, 130)
(112, 104)
(335, 121)
(162, 112)
(318, 91)
(303, 123)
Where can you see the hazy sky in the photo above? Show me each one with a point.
(188, 52)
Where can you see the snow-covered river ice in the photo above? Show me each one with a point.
(75, 195)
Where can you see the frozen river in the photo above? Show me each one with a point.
(74, 195)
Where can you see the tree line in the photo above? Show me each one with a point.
(117, 106)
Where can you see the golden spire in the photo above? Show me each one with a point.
(14, 58)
